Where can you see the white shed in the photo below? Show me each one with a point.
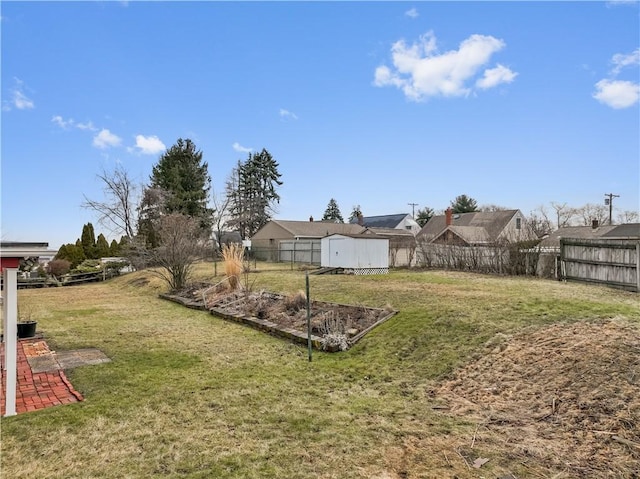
(358, 254)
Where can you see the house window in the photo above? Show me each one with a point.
(518, 223)
(408, 227)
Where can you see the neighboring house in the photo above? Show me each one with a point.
(480, 228)
(551, 244)
(299, 241)
(594, 254)
(549, 247)
(226, 238)
(360, 254)
(401, 221)
(628, 230)
(278, 239)
(402, 245)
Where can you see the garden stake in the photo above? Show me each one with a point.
(308, 316)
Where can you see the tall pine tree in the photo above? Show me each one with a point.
(183, 175)
(251, 191)
(464, 204)
(332, 213)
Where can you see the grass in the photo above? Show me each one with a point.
(191, 395)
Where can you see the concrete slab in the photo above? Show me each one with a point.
(66, 359)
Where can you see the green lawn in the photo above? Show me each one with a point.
(191, 395)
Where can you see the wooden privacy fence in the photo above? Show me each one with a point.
(613, 262)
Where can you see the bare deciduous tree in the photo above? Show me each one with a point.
(564, 214)
(180, 247)
(220, 217)
(539, 222)
(117, 211)
(591, 212)
(627, 217)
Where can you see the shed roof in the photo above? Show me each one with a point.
(363, 235)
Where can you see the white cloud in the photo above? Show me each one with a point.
(61, 122)
(105, 139)
(21, 101)
(495, 76)
(18, 98)
(287, 114)
(238, 147)
(621, 60)
(86, 126)
(413, 13)
(420, 72)
(149, 145)
(617, 94)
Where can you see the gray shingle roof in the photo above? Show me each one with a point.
(493, 222)
(553, 240)
(317, 229)
(381, 221)
(629, 230)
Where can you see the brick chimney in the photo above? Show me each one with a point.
(311, 218)
(594, 224)
(448, 214)
(361, 219)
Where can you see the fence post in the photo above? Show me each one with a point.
(638, 267)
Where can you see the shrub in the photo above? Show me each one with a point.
(58, 267)
(296, 302)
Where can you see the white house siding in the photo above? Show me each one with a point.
(512, 234)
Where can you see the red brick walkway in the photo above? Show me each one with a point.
(37, 390)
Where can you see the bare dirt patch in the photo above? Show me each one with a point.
(564, 399)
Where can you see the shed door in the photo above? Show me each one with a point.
(337, 252)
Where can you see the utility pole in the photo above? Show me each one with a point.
(609, 201)
(413, 209)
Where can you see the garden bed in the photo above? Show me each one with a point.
(334, 327)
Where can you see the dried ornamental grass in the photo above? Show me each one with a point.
(233, 254)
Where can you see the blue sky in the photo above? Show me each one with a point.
(379, 104)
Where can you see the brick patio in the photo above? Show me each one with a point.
(37, 389)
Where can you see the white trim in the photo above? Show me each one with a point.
(10, 320)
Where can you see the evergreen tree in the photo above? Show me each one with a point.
(183, 174)
(114, 248)
(102, 247)
(251, 191)
(332, 212)
(355, 214)
(151, 209)
(464, 204)
(88, 241)
(424, 215)
(72, 253)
